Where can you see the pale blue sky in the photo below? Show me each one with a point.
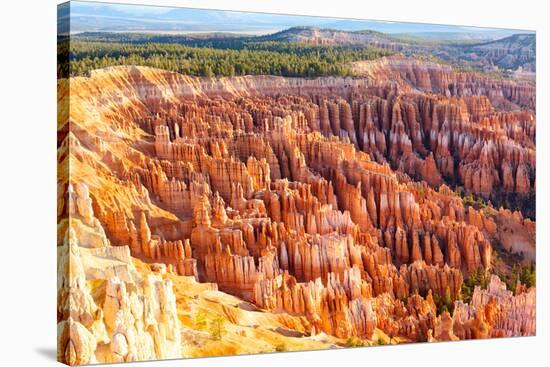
(95, 16)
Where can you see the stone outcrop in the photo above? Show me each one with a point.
(495, 312)
(339, 308)
(136, 317)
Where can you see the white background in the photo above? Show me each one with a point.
(28, 182)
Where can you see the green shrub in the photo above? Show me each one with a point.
(217, 328)
(352, 342)
(520, 273)
(476, 278)
(200, 321)
(444, 303)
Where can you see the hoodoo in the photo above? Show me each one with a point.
(359, 201)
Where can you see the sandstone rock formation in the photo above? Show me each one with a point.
(494, 312)
(324, 200)
(107, 311)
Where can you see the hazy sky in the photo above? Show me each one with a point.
(90, 16)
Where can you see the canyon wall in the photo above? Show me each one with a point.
(333, 199)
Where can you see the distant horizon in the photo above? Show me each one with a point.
(90, 16)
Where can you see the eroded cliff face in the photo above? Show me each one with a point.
(107, 311)
(493, 313)
(411, 73)
(326, 200)
(461, 128)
